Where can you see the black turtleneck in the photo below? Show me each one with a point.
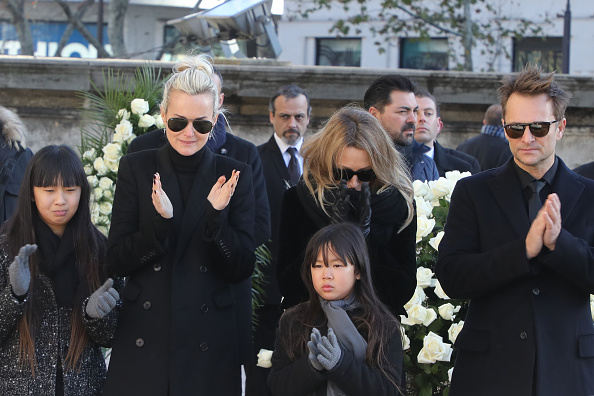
(185, 169)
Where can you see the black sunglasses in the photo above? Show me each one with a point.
(537, 128)
(176, 124)
(365, 175)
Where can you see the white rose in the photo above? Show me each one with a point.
(434, 349)
(123, 114)
(421, 188)
(405, 339)
(450, 371)
(112, 152)
(423, 207)
(264, 358)
(139, 106)
(100, 166)
(424, 277)
(418, 298)
(122, 131)
(97, 193)
(439, 291)
(454, 330)
(94, 210)
(424, 227)
(93, 181)
(88, 169)
(440, 187)
(418, 314)
(105, 208)
(105, 183)
(435, 241)
(159, 121)
(132, 137)
(107, 194)
(113, 165)
(448, 311)
(103, 230)
(90, 155)
(146, 121)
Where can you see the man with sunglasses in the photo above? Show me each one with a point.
(518, 243)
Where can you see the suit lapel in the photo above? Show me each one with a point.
(277, 159)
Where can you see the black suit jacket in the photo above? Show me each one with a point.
(277, 181)
(448, 159)
(586, 170)
(185, 325)
(522, 312)
(490, 151)
(238, 149)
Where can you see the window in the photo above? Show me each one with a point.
(338, 52)
(424, 54)
(544, 51)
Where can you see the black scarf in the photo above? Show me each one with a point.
(58, 261)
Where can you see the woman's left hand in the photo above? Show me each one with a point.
(223, 190)
(160, 200)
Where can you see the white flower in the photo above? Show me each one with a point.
(146, 121)
(424, 227)
(421, 188)
(105, 183)
(454, 330)
(123, 131)
(264, 358)
(434, 242)
(159, 121)
(440, 187)
(423, 207)
(123, 114)
(97, 193)
(439, 291)
(139, 106)
(112, 152)
(418, 314)
(107, 194)
(434, 349)
(405, 339)
(424, 277)
(448, 311)
(99, 166)
(88, 169)
(103, 230)
(93, 181)
(418, 298)
(113, 165)
(450, 371)
(90, 155)
(105, 208)
(454, 176)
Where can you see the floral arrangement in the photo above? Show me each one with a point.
(115, 116)
(433, 320)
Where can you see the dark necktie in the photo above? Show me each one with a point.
(534, 203)
(293, 167)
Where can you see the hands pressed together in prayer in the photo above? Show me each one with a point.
(545, 228)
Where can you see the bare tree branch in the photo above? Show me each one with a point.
(70, 28)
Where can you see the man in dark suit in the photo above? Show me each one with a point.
(490, 148)
(526, 266)
(289, 115)
(226, 144)
(429, 125)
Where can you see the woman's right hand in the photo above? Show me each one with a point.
(160, 199)
(19, 273)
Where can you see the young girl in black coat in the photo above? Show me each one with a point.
(361, 351)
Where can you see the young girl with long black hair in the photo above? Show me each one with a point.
(361, 351)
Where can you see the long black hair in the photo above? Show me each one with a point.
(374, 321)
(56, 166)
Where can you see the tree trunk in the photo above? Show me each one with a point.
(21, 24)
(467, 37)
(115, 27)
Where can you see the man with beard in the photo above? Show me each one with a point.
(289, 115)
(392, 101)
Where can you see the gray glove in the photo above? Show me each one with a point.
(18, 272)
(330, 351)
(103, 300)
(341, 204)
(313, 349)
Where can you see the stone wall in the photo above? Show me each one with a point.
(43, 92)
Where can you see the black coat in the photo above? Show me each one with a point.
(392, 254)
(185, 325)
(522, 312)
(238, 149)
(586, 170)
(490, 151)
(448, 159)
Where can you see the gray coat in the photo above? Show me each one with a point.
(52, 339)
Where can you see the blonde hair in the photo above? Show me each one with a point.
(193, 76)
(354, 127)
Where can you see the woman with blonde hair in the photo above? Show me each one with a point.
(181, 233)
(352, 173)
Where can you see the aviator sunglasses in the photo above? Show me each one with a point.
(365, 175)
(537, 128)
(176, 124)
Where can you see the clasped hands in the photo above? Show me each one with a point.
(324, 352)
(219, 196)
(545, 228)
(341, 206)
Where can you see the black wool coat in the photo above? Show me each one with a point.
(185, 325)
